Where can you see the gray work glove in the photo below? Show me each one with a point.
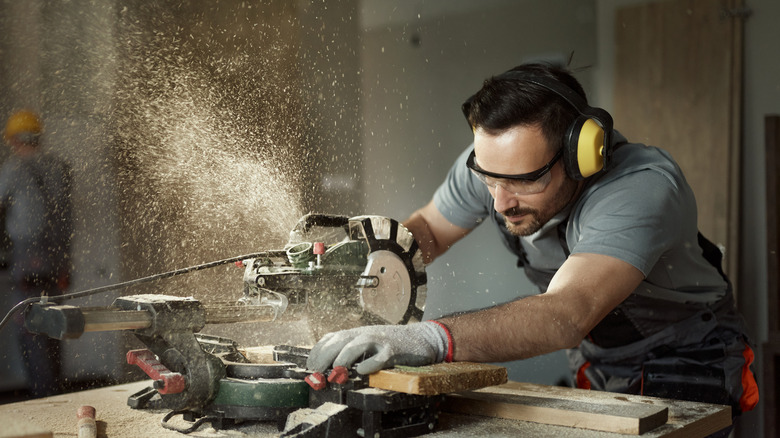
(384, 346)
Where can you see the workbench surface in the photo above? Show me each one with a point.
(116, 420)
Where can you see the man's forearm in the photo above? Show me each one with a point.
(433, 232)
(583, 291)
(417, 225)
(519, 329)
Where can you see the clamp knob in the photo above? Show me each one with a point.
(319, 250)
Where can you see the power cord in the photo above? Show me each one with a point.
(126, 284)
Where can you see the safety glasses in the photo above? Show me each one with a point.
(521, 184)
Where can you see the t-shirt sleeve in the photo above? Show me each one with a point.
(635, 218)
(462, 199)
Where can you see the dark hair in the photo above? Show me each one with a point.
(505, 101)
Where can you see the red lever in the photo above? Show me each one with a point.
(165, 381)
(316, 381)
(339, 375)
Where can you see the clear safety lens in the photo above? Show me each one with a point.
(516, 186)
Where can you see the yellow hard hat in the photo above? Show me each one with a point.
(22, 122)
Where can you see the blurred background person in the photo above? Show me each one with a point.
(35, 206)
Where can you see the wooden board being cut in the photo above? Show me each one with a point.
(262, 354)
(441, 378)
(627, 418)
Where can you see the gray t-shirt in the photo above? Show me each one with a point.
(641, 211)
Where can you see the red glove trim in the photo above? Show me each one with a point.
(450, 347)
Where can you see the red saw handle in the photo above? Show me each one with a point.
(165, 380)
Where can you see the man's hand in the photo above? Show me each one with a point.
(382, 346)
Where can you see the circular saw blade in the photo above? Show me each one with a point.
(389, 298)
(394, 267)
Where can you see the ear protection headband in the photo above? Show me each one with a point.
(587, 143)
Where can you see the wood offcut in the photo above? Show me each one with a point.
(441, 378)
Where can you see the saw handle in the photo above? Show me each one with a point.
(306, 223)
(165, 380)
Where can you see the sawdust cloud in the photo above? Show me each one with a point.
(216, 176)
(211, 147)
(209, 143)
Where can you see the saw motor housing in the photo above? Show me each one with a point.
(347, 271)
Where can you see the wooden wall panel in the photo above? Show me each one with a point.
(677, 86)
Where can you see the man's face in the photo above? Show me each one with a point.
(23, 145)
(518, 150)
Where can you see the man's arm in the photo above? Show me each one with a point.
(433, 232)
(583, 291)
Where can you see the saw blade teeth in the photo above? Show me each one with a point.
(383, 227)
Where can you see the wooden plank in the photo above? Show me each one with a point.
(441, 378)
(626, 418)
(685, 418)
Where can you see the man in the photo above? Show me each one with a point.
(36, 207)
(605, 228)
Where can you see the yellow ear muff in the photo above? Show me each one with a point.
(590, 145)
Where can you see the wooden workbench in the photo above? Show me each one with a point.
(115, 419)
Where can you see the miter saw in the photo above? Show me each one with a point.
(340, 272)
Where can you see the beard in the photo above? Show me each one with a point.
(531, 224)
(536, 218)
